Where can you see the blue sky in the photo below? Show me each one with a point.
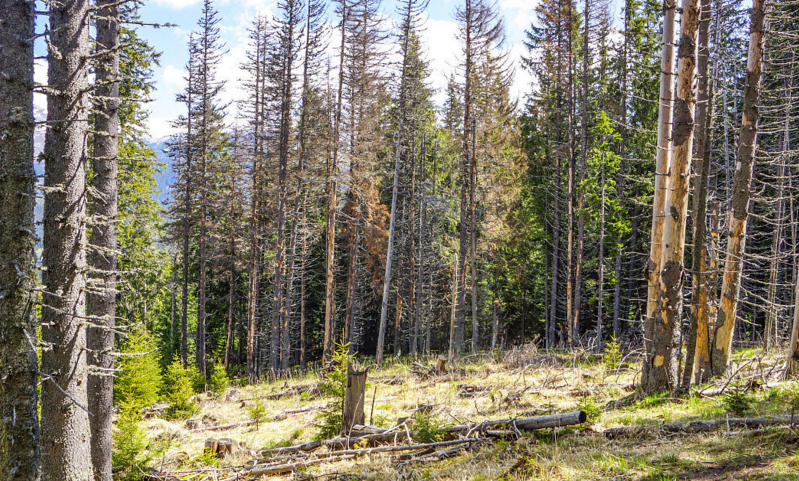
(236, 16)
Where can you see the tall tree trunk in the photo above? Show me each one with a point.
(255, 207)
(745, 156)
(663, 369)
(578, 261)
(453, 318)
(103, 257)
(697, 360)
(601, 268)
(184, 302)
(19, 442)
(463, 240)
(330, 217)
(65, 436)
(662, 166)
(473, 236)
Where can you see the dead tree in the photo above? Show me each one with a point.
(662, 166)
(745, 156)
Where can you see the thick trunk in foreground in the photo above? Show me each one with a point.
(663, 370)
(103, 258)
(662, 165)
(19, 428)
(65, 420)
(731, 282)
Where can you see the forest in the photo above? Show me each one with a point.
(528, 280)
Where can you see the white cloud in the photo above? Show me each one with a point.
(443, 50)
(176, 4)
(173, 76)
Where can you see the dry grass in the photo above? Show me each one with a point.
(525, 382)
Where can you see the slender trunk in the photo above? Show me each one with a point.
(725, 323)
(453, 320)
(662, 167)
(663, 370)
(578, 261)
(495, 325)
(332, 186)
(463, 248)
(19, 442)
(412, 257)
(601, 269)
(473, 236)
(184, 302)
(65, 421)
(697, 360)
(103, 258)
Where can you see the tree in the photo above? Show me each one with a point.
(65, 421)
(19, 430)
(662, 167)
(745, 156)
(411, 11)
(661, 372)
(101, 301)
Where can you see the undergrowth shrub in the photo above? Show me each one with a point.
(427, 426)
(611, 356)
(217, 380)
(738, 401)
(257, 411)
(334, 385)
(139, 382)
(178, 391)
(129, 452)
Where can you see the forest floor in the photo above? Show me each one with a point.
(522, 383)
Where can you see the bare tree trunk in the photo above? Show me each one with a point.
(473, 236)
(663, 370)
(453, 320)
(731, 282)
(184, 302)
(66, 453)
(332, 186)
(103, 256)
(792, 359)
(19, 442)
(697, 360)
(601, 268)
(495, 324)
(663, 164)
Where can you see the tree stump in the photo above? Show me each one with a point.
(441, 364)
(354, 399)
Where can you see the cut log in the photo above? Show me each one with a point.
(211, 445)
(693, 427)
(354, 399)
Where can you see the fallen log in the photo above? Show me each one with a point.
(693, 427)
(524, 424)
(291, 467)
(339, 443)
(391, 449)
(224, 427)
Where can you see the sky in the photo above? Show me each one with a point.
(236, 16)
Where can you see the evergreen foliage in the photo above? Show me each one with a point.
(139, 382)
(334, 385)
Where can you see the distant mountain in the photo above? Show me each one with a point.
(165, 177)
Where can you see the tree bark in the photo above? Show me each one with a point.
(103, 257)
(662, 166)
(745, 156)
(697, 360)
(66, 453)
(19, 422)
(330, 216)
(663, 370)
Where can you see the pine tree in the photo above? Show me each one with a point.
(65, 421)
(19, 430)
